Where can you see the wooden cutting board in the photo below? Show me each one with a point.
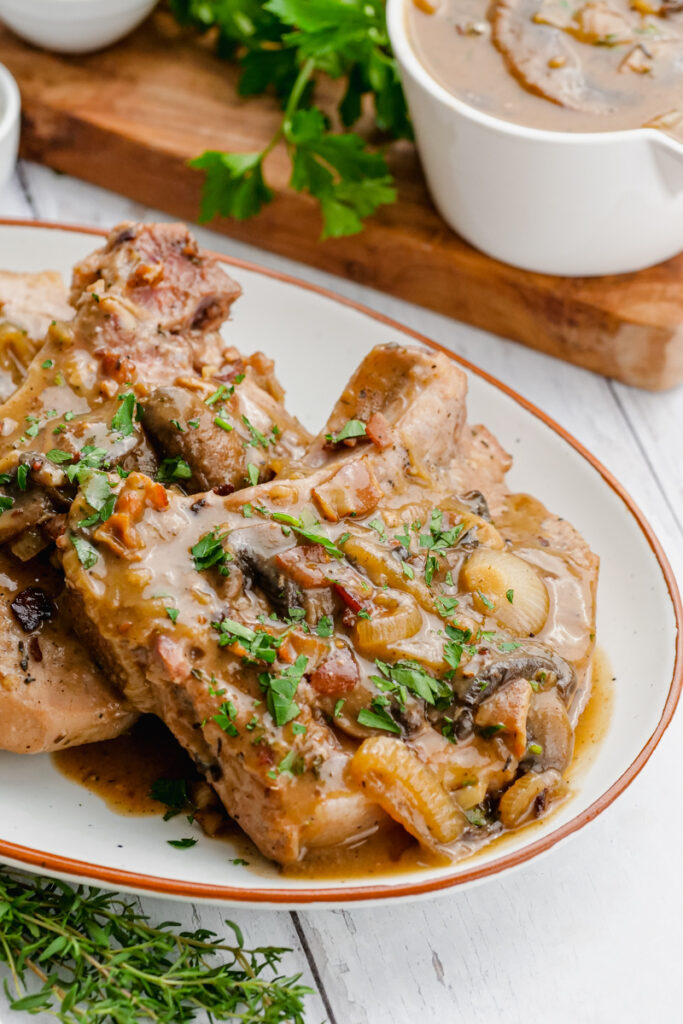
(129, 119)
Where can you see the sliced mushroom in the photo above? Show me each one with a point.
(486, 674)
(255, 549)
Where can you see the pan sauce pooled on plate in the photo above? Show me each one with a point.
(563, 65)
(350, 633)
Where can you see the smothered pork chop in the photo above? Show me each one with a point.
(142, 326)
(384, 634)
(348, 634)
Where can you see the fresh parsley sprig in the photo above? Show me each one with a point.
(282, 46)
(96, 959)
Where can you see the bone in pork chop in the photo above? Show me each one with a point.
(52, 696)
(148, 307)
(314, 642)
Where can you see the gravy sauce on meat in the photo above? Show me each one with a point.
(562, 65)
(122, 772)
(370, 650)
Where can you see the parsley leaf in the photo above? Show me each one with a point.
(281, 46)
(87, 554)
(122, 422)
(233, 185)
(173, 469)
(352, 428)
(208, 551)
(378, 719)
(280, 691)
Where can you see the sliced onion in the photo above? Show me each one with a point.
(517, 803)
(384, 568)
(396, 617)
(507, 587)
(394, 776)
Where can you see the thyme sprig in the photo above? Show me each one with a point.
(95, 957)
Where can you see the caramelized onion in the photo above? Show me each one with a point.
(393, 775)
(384, 568)
(508, 587)
(401, 619)
(519, 803)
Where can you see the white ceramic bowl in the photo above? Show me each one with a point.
(73, 26)
(556, 202)
(10, 117)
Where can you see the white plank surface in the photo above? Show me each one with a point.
(592, 932)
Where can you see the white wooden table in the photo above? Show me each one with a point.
(593, 932)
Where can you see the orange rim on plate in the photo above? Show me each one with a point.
(194, 890)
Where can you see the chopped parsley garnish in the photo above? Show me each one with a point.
(289, 765)
(509, 645)
(488, 731)
(173, 614)
(476, 817)
(178, 425)
(173, 469)
(510, 594)
(352, 428)
(257, 438)
(171, 792)
(6, 502)
(445, 605)
(455, 645)
(87, 554)
(182, 844)
(90, 458)
(98, 494)
(122, 422)
(404, 538)
(57, 456)
(225, 718)
(298, 526)
(380, 529)
(379, 718)
(47, 364)
(22, 476)
(259, 645)
(408, 571)
(208, 551)
(410, 677)
(338, 707)
(325, 626)
(298, 728)
(486, 601)
(219, 395)
(280, 691)
(252, 473)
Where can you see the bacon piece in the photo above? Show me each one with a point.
(379, 431)
(338, 674)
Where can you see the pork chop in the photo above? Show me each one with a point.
(265, 628)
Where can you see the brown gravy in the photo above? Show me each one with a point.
(562, 65)
(121, 772)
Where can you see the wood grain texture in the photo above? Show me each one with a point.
(129, 119)
(590, 933)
